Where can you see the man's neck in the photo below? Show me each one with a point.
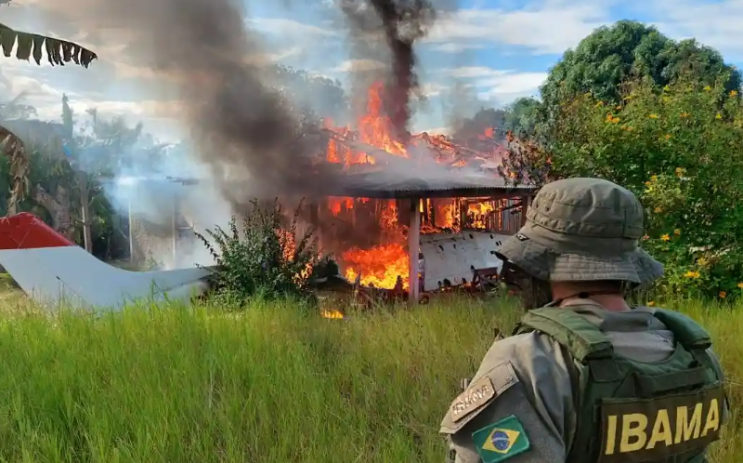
(610, 302)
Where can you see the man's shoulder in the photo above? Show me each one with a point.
(533, 359)
(524, 352)
(522, 392)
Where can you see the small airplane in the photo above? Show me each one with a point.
(54, 271)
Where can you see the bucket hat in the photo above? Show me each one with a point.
(583, 229)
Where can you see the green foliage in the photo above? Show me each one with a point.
(628, 49)
(680, 149)
(522, 117)
(264, 256)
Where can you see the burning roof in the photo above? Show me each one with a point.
(376, 165)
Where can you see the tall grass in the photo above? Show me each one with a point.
(273, 384)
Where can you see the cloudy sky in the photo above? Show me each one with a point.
(499, 49)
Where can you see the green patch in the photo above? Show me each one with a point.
(501, 441)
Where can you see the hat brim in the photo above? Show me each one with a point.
(535, 257)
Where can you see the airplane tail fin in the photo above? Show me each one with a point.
(53, 270)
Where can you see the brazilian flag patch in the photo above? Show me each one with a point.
(501, 441)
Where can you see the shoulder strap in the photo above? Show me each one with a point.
(582, 338)
(686, 331)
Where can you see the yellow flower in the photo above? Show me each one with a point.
(733, 92)
(666, 88)
(654, 178)
(677, 232)
(707, 88)
(702, 262)
(691, 274)
(740, 285)
(658, 209)
(651, 303)
(723, 294)
(684, 115)
(653, 116)
(615, 120)
(665, 237)
(680, 170)
(718, 116)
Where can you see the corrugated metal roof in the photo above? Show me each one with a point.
(407, 178)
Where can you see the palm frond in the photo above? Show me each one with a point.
(28, 45)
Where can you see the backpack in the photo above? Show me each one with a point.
(630, 411)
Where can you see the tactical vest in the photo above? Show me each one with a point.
(630, 411)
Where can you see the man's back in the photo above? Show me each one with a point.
(528, 389)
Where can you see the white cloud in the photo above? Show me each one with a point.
(513, 83)
(286, 26)
(545, 27)
(432, 89)
(464, 72)
(457, 47)
(716, 24)
(500, 85)
(359, 65)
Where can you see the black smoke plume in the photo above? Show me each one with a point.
(246, 131)
(401, 23)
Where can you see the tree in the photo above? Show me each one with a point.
(484, 120)
(27, 46)
(680, 149)
(629, 49)
(95, 154)
(522, 117)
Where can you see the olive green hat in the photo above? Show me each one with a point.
(583, 229)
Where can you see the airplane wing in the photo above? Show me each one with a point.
(53, 270)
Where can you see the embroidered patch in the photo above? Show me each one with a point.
(521, 237)
(501, 441)
(476, 395)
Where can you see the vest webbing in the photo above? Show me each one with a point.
(604, 374)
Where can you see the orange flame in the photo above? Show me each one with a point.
(379, 266)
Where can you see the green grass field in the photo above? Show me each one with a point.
(273, 384)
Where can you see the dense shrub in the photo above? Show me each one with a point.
(680, 149)
(263, 255)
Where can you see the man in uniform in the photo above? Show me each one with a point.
(587, 378)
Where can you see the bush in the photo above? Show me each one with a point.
(680, 149)
(262, 257)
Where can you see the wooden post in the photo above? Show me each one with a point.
(432, 212)
(525, 200)
(414, 235)
(85, 213)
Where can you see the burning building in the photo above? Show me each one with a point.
(431, 213)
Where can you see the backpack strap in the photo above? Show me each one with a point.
(696, 340)
(686, 331)
(582, 338)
